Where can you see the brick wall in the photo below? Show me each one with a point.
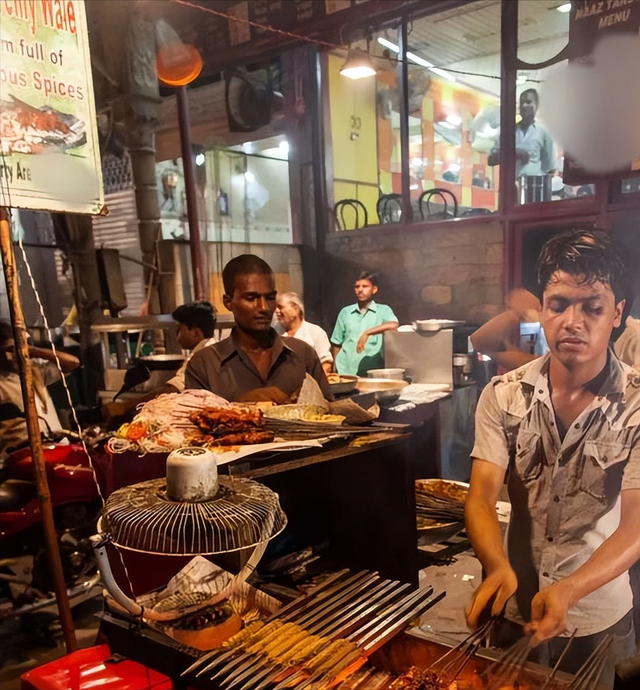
(445, 272)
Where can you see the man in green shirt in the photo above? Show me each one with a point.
(356, 342)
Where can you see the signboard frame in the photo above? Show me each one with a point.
(49, 150)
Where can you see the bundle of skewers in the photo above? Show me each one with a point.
(507, 672)
(439, 501)
(318, 640)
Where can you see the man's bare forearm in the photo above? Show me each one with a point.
(67, 362)
(483, 530)
(386, 326)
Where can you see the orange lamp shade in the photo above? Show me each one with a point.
(178, 64)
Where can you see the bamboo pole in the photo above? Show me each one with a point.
(33, 428)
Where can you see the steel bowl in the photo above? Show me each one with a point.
(386, 390)
(345, 385)
(162, 362)
(395, 374)
(435, 324)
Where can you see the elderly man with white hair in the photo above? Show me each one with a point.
(291, 323)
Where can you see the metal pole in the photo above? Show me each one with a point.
(33, 428)
(405, 172)
(190, 191)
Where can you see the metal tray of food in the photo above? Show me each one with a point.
(341, 384)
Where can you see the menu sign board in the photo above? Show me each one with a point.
(590, 20)
(49, 155)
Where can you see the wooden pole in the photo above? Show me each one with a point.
(33, 428)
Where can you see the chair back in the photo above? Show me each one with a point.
(425, 201)
(389, 208)
(359, 212)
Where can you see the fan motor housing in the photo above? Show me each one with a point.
(192, 474)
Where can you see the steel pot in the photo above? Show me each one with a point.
(533, 188)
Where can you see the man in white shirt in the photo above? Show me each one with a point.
(291, 322)
(534, 145)
(196, 323)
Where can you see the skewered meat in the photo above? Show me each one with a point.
(244, 635)
(244, 438)
(415, 679)
(222, 420)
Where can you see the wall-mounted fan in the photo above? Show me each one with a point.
(248, 97)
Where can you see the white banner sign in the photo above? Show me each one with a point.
(49, 154)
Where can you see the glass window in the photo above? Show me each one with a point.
(453, 120)
(243, 194)
(630, 186)
(543, 31)
(365, 134)
(457, 54)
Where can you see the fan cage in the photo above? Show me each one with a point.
(142, 518)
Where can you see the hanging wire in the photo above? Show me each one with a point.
(333, 46)
(6, 194)
(265, 27)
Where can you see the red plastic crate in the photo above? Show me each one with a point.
(86, 670)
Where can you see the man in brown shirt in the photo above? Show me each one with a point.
(254, 360)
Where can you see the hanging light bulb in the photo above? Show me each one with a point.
(177, 63)
(358, 64)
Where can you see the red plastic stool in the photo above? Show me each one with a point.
(86, 669)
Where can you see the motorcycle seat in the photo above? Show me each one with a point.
(15, 494)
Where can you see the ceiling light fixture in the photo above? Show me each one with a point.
(358, 65)
(443, 73)
(417, 59)
(564, 8)
(387, 44)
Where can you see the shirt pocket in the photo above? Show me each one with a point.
(528, 456)
(604, 462)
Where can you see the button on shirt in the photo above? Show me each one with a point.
(565, 494)
(229, 372)
(349, 326)
(537, 142)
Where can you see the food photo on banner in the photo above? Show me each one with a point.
(49, 156)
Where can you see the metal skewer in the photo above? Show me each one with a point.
(344, 614)
(588, 676)
(554, 670)
(323, 590)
